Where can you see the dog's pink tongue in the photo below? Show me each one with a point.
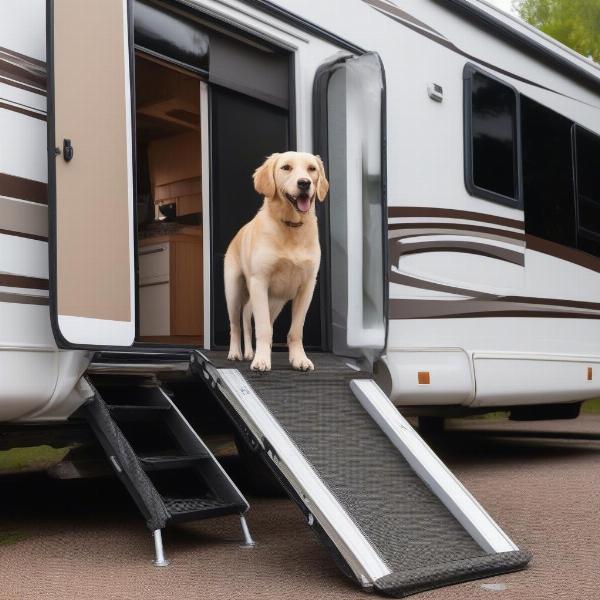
(303, 203)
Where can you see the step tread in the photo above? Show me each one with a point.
(170, 461)
(192, 506)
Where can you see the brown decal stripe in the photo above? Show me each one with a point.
(458, 309)
(20, 281)
(488, 250)
(415, 282)
(23, 57)
(18, 73)
(22, 110)
(23, 234)
(23, 189)
(419, 211)
(22, 299)
(422, 284)
(392, 11)
(26, 218)
(23, 69)
(572, 255)
(552, 302)
(458, 227)
(22, 86)
(446, 43)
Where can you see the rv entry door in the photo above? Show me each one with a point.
(90, 183)
(350, 136)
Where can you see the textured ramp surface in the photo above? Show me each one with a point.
(405, 522)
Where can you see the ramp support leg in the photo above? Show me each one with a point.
(159, 560)
(248, 541)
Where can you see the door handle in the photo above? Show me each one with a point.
(67, 150)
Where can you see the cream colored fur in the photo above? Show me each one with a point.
(275, 258)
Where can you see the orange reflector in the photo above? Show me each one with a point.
(589, 373)
(423, 377)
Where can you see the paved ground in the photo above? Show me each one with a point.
(83, 540)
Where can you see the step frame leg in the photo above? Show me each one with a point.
(248, 541)
(159, 553)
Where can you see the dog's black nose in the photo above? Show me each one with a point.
(303, 184)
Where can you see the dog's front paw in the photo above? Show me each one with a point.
(249, 354)
(301, 362)
(261, 363)
(234, 354)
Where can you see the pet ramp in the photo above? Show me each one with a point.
(391, 513)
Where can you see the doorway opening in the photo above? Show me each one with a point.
(169, 204)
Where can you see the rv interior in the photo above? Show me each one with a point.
(169, 204)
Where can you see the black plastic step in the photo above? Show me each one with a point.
(168, 470)
(170, 462)
(184, 509)
(141, 363)
(121, 412)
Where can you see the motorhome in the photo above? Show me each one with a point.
(461, 249)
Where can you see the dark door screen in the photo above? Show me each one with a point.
(243, 132)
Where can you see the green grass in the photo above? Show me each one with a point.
(591, 406)
(10, 537)
(30, 459)
(18, 460)
(494, 416)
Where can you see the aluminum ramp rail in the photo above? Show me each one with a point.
(394, 517)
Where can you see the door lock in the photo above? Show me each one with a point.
(67, 150)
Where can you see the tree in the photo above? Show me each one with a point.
(575, 23)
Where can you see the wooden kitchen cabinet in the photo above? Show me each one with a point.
(171, 287)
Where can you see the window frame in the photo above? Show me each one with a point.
(469, 71)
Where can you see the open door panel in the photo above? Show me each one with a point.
(90, 173)
(350, 135)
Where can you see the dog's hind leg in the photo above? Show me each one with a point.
(235, 295)
(247, 321)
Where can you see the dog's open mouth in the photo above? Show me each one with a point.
(301, 202)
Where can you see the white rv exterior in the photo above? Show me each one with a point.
(481, 313)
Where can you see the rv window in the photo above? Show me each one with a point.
(587, 149)
(491, 138)
(548, 192)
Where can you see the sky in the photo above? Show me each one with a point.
(504, 5)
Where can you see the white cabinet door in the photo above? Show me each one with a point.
(155, 309)
(153, 263)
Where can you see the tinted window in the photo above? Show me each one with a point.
(548, 190)
(588, 189)
(493, 136)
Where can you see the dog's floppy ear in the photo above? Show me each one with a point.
(264, 177)
(322, 183)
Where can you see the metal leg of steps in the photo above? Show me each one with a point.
(159, 560)
(248, 541)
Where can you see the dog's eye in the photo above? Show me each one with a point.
(312, 168)
(286, 168)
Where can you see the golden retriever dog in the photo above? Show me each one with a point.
(275, 258)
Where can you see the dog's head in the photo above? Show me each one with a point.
(292, 180)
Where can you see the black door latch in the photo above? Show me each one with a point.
(67, 150)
